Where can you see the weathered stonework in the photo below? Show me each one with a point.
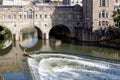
(98, 14)
(16, 18)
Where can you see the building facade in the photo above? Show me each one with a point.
(95, 14)
(98, 13)
(117, 4)
(72, 2)
(16, 18)
(17, 2)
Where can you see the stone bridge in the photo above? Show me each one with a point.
(44, 18)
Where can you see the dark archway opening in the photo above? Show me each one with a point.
(39, 33)
(59, 32)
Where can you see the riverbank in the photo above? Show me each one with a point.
(111, 44)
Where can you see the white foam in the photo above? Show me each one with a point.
(65, 67)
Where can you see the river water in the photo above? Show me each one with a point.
(58, 60)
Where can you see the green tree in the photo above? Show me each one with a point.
(116, 17)
(1, 2)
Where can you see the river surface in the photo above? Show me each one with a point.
(58, 60)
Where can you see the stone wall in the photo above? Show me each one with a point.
(87, 36)
(15, 18)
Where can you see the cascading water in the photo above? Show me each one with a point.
(66, 67)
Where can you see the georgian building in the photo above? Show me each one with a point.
(44, 17)
(98, 13)
(72, 2)
(117, 4)
(17, 2)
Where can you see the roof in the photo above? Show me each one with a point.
(10, 6)
(48, 6)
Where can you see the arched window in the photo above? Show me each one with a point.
(103, 14)
(45, 16)
(30, 14)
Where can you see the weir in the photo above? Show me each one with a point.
(60, 66)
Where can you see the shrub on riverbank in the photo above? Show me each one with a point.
(5, 35)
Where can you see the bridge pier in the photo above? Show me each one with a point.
(45, 35)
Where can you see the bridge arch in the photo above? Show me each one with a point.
(39, 31)
(30, 29)
(60, 31)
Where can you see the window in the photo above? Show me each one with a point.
(51, 16)
(36, 16)
(99, 23)
(106, 15)
(25, 16)
(30, 14)
(40, 16)
(104, 3)
(106, 23)
(9, 16)
(99, 15)
(45, 16)
(116, 1)
(20, 16)
(103, 14)
(103, 23)
(100, 2)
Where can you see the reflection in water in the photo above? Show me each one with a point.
(6, 44)
(55, 42)
(29, 39)
(67, 67)
(12, 63)
(6, 50)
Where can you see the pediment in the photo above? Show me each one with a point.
(29, 6)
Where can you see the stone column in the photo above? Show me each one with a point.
(45, 36)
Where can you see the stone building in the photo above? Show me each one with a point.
(17, 2)
(117, 4)
(98, 13)
(43, 17)
(93, 15)
(72, 2)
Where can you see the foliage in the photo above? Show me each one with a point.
(4, 37)
(116, 17)
(1, 2)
